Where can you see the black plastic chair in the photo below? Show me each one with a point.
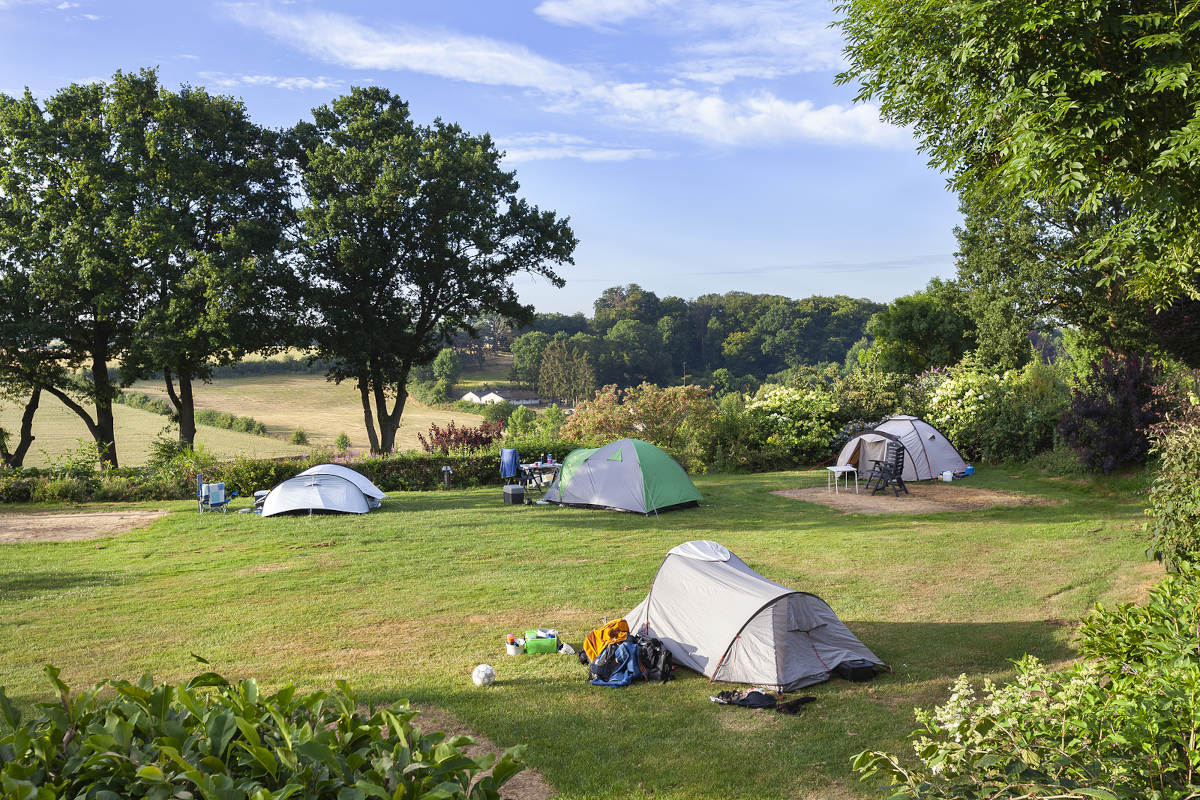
(888, 472)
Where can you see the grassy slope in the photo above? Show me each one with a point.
(58, 430)
(404, 602)
(494, 372)
(323, 409)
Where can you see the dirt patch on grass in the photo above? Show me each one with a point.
(922, 498)
(528, 784)
(51, 527)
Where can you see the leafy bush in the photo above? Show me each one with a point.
(18, 485)
(455, 438)
(521, 422)
(550, 422)
(299, 436)
(211, 739)
(247, 475)
(1121, 724)
(1012, 416)
(792, 425)
(1174, 509)
(497, 412)
(679, 419)
(1109, 419)
(342, 442)
(62, 490)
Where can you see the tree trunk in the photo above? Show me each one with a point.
(105, 433)
(364, 393)
(185, 406)
(17, 457)
(389, 422)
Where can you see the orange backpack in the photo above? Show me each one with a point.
(597, 640)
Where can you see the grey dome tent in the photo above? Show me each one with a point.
(317, 492)
(372, 492)
(927, 451)
(625, 475)
(724, 620)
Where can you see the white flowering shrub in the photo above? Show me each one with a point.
(1124, 723)
(998, 417)
(797, 424)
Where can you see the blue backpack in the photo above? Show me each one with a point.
(616, 665)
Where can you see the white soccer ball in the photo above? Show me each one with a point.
(483, 675)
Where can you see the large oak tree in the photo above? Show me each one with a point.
(409, 232)
(67, 202)
(215, 203)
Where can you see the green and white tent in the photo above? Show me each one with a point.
(626, 475)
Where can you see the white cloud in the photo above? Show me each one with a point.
(597, 13)
(553, 146)
(63, 6)
(757, 118)
(719, 41)
(475, 59)
(228, 81)
(706, 113)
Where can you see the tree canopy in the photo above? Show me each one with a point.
(1070, 105)
(410, 232)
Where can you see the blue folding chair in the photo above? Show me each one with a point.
(510, 466)
(211, 496)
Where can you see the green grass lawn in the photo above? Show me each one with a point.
(405, 601)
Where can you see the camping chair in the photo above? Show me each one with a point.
(212, 497)
(510, 466)
(888, 472)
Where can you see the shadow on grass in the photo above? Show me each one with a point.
(922, 651)
(27, 585)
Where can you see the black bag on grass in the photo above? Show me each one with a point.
(655, 658)
(857, 670)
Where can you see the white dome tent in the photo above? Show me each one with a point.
(927, 451)
(316, 492)
(372, 492)
(724, 620)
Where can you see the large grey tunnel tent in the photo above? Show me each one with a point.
(927, 451)
(724, 620)
(316, 492)
(625, 475)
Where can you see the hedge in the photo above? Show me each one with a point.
(403, 472)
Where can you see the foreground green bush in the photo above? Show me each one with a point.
(218, 741)
(1174, 509)
(1123, 723)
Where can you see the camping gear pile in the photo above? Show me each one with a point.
(927, 452)
(325, 488)
(717, 616)
(625, 475)
(615, 657)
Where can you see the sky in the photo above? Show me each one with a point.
(696, 145)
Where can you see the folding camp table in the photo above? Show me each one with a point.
(836, 473)
(539, 475)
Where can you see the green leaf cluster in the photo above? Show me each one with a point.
(215, 740)
(1087, 105)
(1121, 724)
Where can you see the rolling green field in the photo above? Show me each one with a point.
(321, 408)
(405, 601)
(59, 431)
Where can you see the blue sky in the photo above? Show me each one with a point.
(697, 145)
